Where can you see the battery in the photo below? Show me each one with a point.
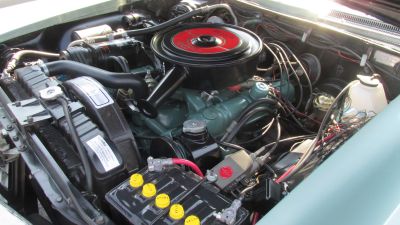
(185, 197)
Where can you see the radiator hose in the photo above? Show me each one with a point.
(109, 79)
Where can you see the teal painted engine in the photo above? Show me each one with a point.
(216, 108)
(179, 111)
(208, 84)
(211, 80)
(189, 122)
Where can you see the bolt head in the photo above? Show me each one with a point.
(9, 127)
(22, 148)
(211, 176)
(29, 119)
(100, 220)
(59, 199)
(4, 132)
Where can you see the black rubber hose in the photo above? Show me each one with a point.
(166, 87)
(176, 20)
(278, 139)
(255, 104)
(172, 22)
(249, 108)
(109, 79)
(295, 138)
(55, 172)
(243, 121)
(263, 133)
(77, 143)
(327, 118)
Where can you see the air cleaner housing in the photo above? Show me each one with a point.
(216, 55)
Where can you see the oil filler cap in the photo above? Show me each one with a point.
(136, 180)
(194, 126)
(149, 190)
(176, 212)
(192, 220)
(162, 201)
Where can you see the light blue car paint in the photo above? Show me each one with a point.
(358, 185)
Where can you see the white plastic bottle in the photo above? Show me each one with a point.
(365, 98)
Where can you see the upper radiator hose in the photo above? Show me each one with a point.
(109, 79)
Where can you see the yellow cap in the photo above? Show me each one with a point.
(149, 190)
(176, 212)
(136, 180)
(192, 220)
(162, 201)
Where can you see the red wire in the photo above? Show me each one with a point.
(276, 91)
(190, 164)
(255, 218)
(327, 138)
(285, 174)
(346, 57)
(304, 115)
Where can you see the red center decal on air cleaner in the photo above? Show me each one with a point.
(225, 40)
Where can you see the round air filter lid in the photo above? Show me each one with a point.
(216, 55)
(206, 40)
(206, 45)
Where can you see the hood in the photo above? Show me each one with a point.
(385, 10)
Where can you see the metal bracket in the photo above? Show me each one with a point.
(28, 112)
(365, 56)
(305, 36)
(228, 215)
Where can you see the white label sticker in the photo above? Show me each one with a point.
(103, 152)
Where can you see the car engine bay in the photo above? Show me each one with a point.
(180, 112)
